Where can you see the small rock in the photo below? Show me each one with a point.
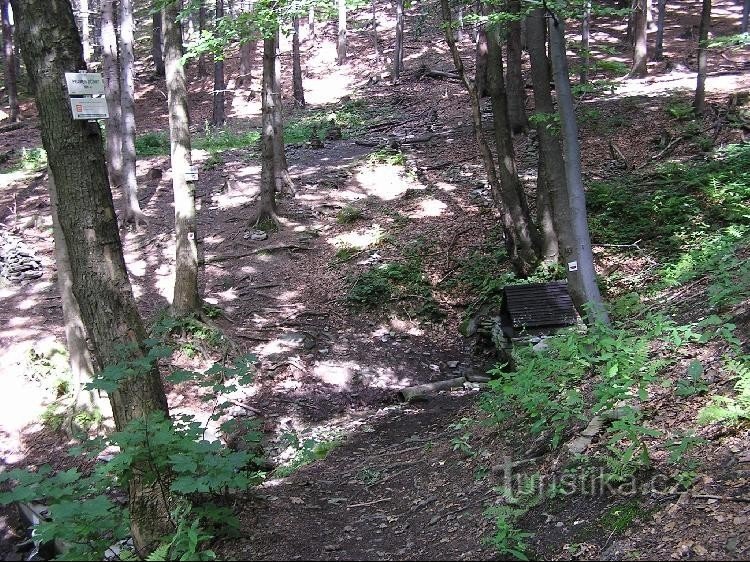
(331, 547)
(452, 364)
(435, 368)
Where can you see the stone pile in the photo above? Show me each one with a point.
(18, 262)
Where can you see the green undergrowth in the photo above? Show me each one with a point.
(351, 117)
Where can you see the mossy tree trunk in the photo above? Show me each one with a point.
(51, 46)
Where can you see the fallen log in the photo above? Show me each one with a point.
(11, 127)
(420, 391)
(431, 73)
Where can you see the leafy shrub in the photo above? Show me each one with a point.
(348, 215)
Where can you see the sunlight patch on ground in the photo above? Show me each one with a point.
(398, 325)
(360, 239)
(676, 82)
(283, 344)
(429, 208)
(244, 189)
(245, 105)
(444, 186)
(384, 181)
(336, 373)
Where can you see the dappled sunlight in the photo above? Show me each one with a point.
(384, 181)
(335, 373)
(244, 188)
(283, 344)
(359, 239)
(429, 208)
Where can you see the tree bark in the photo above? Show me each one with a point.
(699, 104)
(398, 52)
(550, 151)
(745, 16)
(186, 299)
(516, 93)
(83, 11)
(202, 65)
(480, 75)
(299, 91)
(157, 44)
(111, 68)
(266, 216)
(511, 245)
(311, 22)
(75, 152)
(585, 51)
(659, 48)
(133, 211)
(526, 237)
(376, 43)
(11, 77)
(219, 85)
(581, 273)
(640, 48)
(341, 40)
(284, 183)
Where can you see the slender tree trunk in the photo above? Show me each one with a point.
(311, 23)
(202, 65)
(516, 92)
(585, 51)
(284, 183)
(659, 48)
(460, 28)
(551, 162)
(640, 50)
(247, 51)
(745, 16)
(133, 211)
(157, 44)
(376, 43)
(266, 215)
(700, 90)
(545, 215)
(480, 76)
(186, 299)
(111, 67)
(511, 245)
(341, 42)
(513, 197)
(299, 91)
(11, 78)
(75, 152)
(219, 85)
(398, 52)
(81, 363)
(581, 273)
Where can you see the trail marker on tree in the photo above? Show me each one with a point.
(86, 91)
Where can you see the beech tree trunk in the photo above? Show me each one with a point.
(585, 51)
(341, 40)
(133, 211)
(186, 299)
(75, 152)
(659, 47)
(111, 68)
(480, 75)
(640, 45)
(10, 76)
(157, 44)
(512, 195)
(299, 91)
(83, 11)
(219, 85)
(551, 160)
(248, 46)
(284, 183)
(700, 90)
(266, 215)
(398, 52)
(580, 267)
(516, 93)
(520, 266)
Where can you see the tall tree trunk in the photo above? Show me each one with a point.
(266, 216)
(512, 196)
(311, 22)
(111, 67)
(11, 78)
(219, 86)
(133, 211)
(75, 152)
(186, 299)
(551, 162)
(398, 52)
(299, 91)
(659, 48)
(247, 51)
(83, 11)
(284, 183)
(700, 90)
(157, 44)
(745, 16)
(585, 51)
(640, 48)
(581, 273)
(516, 92)
(376, 43)
(480, 75)
(202, 65)
(511, 245)
(341, 40)
(81, 363)
(545, 215)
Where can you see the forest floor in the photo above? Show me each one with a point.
(394, 480)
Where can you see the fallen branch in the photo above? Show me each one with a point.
(11, 127)
(432, 73)
(272, 248)
(419, 391)
(373, 502)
